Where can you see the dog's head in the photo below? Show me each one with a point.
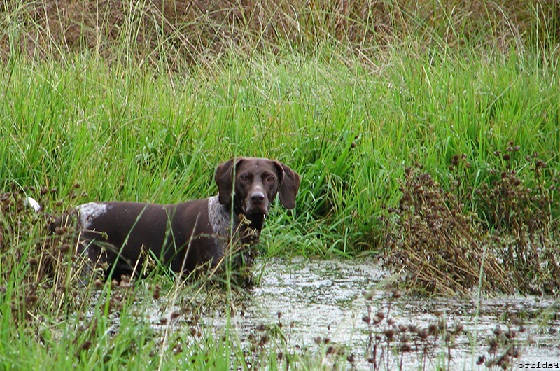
(255, 183)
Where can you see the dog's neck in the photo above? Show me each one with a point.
(247, 227)
(219, 216)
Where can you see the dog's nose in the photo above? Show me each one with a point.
(257, 197)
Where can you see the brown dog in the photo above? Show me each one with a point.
(185, 235)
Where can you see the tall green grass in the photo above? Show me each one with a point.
(125, 133)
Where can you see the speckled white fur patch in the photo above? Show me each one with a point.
(88, 212)
(219, 217)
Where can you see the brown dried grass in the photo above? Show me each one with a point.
(178, 30)
(509, 245)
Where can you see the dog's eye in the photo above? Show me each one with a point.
(244, 177)
(269, 179)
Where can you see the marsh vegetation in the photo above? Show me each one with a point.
(426, 134)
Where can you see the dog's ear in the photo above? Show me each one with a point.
(289, 185)
(224, 180)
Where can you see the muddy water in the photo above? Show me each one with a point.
(325, 299)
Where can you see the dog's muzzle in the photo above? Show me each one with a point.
(256, 203)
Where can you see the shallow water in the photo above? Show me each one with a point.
(325, 298)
